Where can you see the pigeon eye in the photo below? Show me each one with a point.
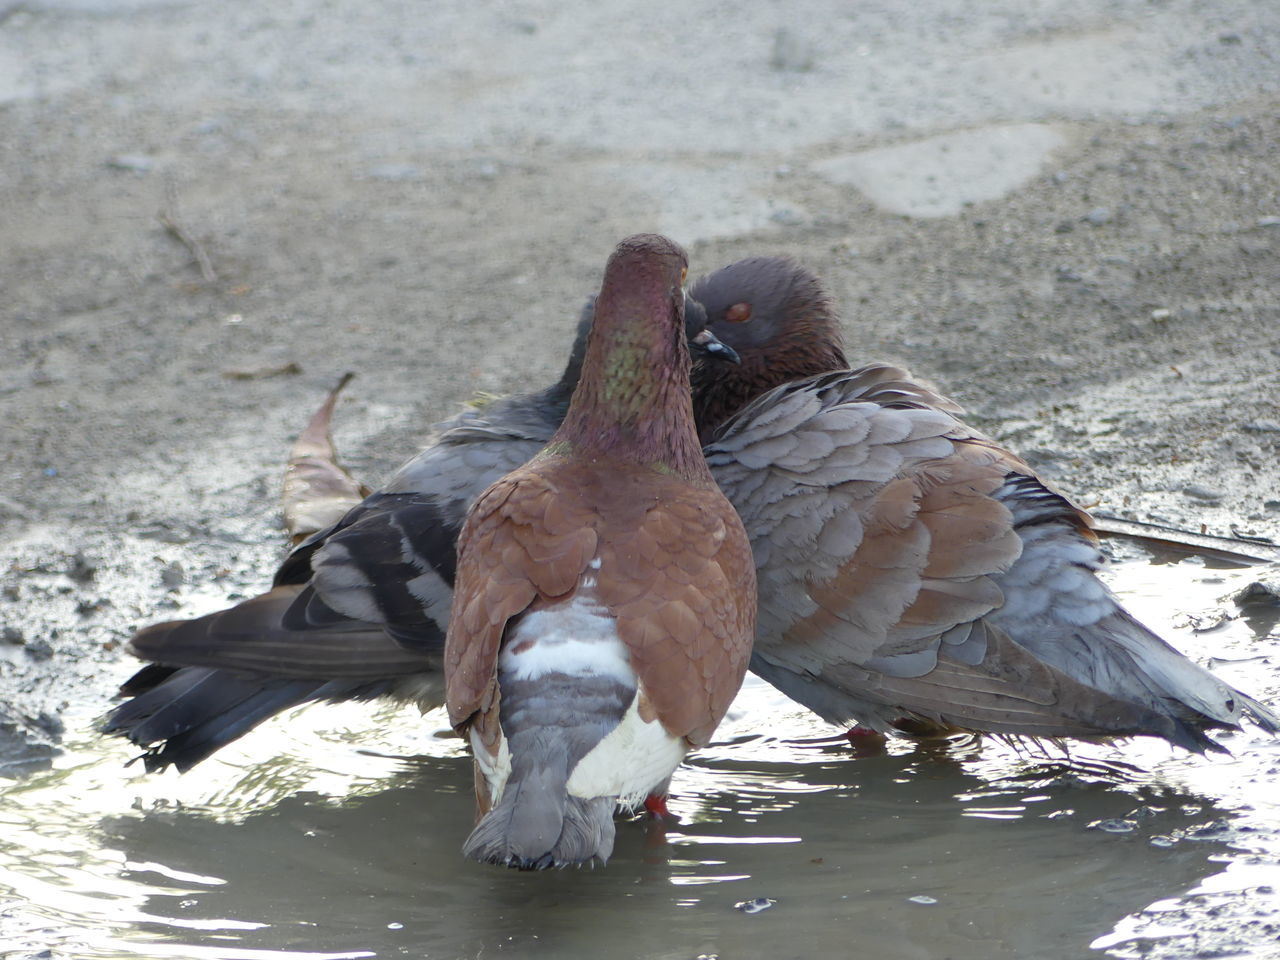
(738, 313)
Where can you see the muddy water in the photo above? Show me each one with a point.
(345, 843)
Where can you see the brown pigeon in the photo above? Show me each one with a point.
(913, 574)
(605, 596)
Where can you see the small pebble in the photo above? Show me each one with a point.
(790, 54)
(1215, 830)
(921, 898)
(1269, 221)
(39, 649)
(1263, 426)
(1200, 492)
(1161, 314)
(173, 575)
(133, 162)
(1163, 841)
(1098, 216)
(1258, 592)
(754, 906)
(81, 569)
(1113, 826)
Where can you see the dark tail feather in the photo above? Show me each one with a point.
(537, 825)
(182, 716)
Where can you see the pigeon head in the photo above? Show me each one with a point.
(703, 345)
(632, 402)
(776, 316)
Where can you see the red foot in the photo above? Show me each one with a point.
(656, 804)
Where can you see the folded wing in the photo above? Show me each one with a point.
(915, 575)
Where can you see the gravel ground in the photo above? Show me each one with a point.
(1066, 215)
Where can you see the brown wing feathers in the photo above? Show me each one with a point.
(666, 567)
(682, 628)
(524, 546)
(622, 509)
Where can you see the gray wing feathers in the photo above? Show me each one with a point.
(801, 476)
(249, 637)
(910, 569)
(471, 450)
(398, 566)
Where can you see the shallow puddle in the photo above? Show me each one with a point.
(345, 842)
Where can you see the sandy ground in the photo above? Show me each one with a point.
(1066, 215)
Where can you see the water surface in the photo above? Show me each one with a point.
(335, 832)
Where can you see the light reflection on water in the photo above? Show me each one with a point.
(344, 843)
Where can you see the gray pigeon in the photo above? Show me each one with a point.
(913, 574)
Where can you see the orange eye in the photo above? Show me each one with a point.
(738, 313)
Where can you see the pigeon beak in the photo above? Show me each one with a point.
(707, 344)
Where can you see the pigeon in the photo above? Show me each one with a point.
(208, 685)
(604, 604)
(358, 610)
(914, 575)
